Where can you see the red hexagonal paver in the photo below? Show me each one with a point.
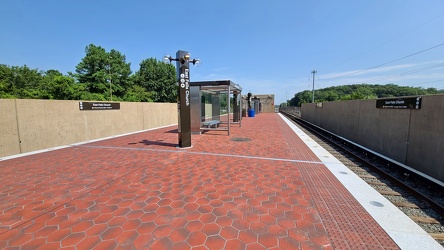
(215, 242)
(44, 232)
(143, 241)
(268, 240)
(278, 231)
(131, 224)
(241, 224)
(259, 227)
(147, 217)
(196, 238)
(33, 244)
(289, 243)
(116, 221)
(73, 239)
(204, 209)
(178, 222)
(164, 210)
(180, 246)
(89, 242)
(162, 231)
(104, 218)
(164, 202)
(211, 229)
(193, 215)
(298, 234)
(191, 207)
(59, 235)
(190, 199)
(146, 227)
(207, 218)
(178, 235)
(256, 246)
(268, 219)
(152, 200)
(194, 226)
(235, 244)
(177, 204)
(229, 232)
(248, 236)
(152, 207)
(111, 233)
(224, 221)
(127, 237)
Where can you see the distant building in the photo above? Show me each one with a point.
(261, 103)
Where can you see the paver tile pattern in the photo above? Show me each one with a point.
(141, 192)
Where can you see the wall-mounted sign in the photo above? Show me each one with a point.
(319, 105)
(99, 105)
(399, 103)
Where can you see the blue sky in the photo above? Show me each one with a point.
(265, 46)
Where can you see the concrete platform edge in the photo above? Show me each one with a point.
(405, 232)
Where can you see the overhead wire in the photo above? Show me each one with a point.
(408, 72)
(395, 60)
(429, 82)
(383, 64)
(394, 38)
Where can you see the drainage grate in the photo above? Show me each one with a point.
(240, 139)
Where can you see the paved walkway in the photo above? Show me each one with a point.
(139, 192)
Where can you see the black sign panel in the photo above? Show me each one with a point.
(99, 105)
(183, 105)
(399, 103)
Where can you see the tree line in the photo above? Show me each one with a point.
(100, 76)
(359, 91)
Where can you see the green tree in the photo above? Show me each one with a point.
(20, 82)
(63, 87)
(138, 93)
(6, 82)
(301, 97)
(158, 78)
(104, 73)
(360, 91)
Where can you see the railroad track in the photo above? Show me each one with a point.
(418, 198)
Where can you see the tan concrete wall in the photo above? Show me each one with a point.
(412, 137)
(29, 125)
(425, 145)
(9, 137)
(159, 114)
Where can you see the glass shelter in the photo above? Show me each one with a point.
(215, 105)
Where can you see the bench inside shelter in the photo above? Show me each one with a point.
(211, 124)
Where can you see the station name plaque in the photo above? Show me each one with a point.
(99, 105)
(399, 103)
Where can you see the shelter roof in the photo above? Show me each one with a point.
(220, 85)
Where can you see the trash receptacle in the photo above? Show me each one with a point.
(244, 113)
(251, 113)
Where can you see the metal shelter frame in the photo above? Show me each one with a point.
(215, 88)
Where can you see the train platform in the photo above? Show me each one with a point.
(266, 186)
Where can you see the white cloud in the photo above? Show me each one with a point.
(401, 74)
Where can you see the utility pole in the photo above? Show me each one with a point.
(110, 80)
(313, 98)
(286, 99)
